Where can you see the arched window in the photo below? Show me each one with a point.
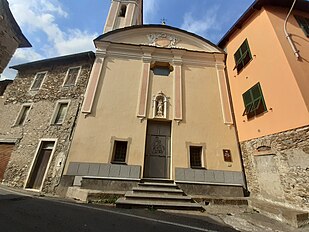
(123, 10)
(161, 68)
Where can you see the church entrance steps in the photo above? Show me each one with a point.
(158, 194)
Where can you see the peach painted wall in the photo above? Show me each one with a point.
(271, 67)
(300, 68)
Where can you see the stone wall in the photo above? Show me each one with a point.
(277, 167)
(38, 124)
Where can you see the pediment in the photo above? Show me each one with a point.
(159, 36)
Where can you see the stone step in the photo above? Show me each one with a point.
(162, 197)
(158, 190)
(157, 180)
(158, 185)
(156, 204)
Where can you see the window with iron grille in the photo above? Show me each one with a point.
(303, 23)
(242, 56)
(60, 113)
(38, 80)
(254, 102)
(71, 77)
(227, 155)
(120, 151)
(195, 156)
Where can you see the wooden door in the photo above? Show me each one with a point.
(40, 166)
(5, 155)
(157, 152)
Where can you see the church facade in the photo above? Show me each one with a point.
(157, 106)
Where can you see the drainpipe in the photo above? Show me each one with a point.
(288, 35)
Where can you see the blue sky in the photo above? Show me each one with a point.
(60, 27)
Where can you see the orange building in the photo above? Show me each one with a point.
(268, 72)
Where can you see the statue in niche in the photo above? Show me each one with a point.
(159, 105)
(160, 109)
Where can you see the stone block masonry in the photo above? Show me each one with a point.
(38, 124)
(277, 167)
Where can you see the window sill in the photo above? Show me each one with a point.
(68, 86)
(201, 168)
(118, 162)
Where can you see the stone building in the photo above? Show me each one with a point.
(156, 107)
(11, 37)
(38, 116)
(268, 76)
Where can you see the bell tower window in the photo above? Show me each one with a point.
(123, 10)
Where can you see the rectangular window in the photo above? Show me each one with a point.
(227, 155)
(22, 117)
(242, 56)
(71, 77)
(303, 23)
(38, 80)
(60, 113)
(254, 102)
(195, 156)
(120, 151)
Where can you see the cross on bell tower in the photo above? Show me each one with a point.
(124, 13)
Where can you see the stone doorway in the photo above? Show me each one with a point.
(40, 165)
(158, 150)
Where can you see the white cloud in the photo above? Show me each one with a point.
(201, 26)
(150, 9)
(21, 56)
(39, 18)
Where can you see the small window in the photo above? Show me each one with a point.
(242, 56)
(22, 117)
(161, 68)
(60, 113)
(38, 80)
(303, 23)
(72, 76)
(122, 12)
(195, 156)
(120, 151)
(254, 102)
(227, 155)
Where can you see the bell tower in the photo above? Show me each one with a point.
(124, 13)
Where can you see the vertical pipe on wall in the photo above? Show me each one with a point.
(288, 35)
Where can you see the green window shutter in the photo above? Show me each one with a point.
(303, 23)
(254, 101)
(242, 56)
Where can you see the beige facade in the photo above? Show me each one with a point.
(274, 136)
(121, 104)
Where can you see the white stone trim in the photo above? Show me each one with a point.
(207, 183)
(21, 110)
(33, 90)
(67, 73)
(56, 110)
(203, 155)
(35, 158)
(220, 68)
